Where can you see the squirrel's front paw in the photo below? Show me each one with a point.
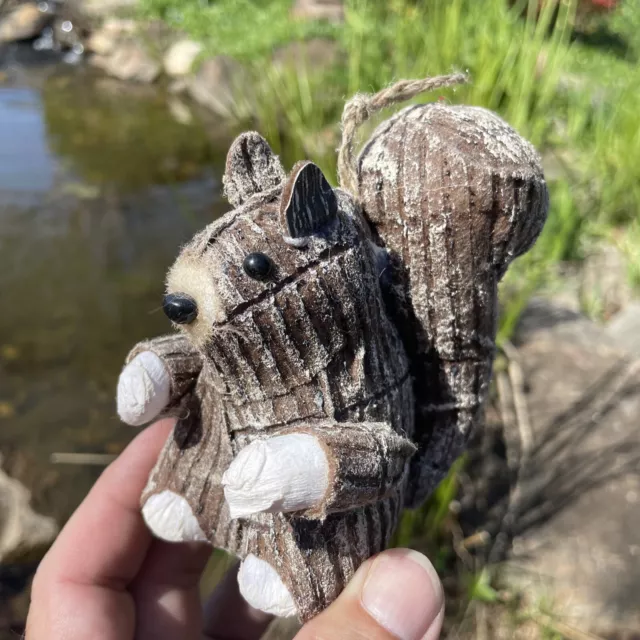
(144, 387)
(282, 473)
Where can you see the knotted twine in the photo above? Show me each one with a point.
(362, 106)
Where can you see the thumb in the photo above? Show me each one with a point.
(394, 595)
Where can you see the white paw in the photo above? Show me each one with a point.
(143, 389)
(283, 473)
(261, 586)
(170, 518)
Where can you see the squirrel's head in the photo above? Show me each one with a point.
(283, 230)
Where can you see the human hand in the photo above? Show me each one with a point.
(107, 578)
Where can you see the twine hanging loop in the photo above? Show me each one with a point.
(362, 106)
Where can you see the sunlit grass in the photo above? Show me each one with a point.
(518, 67)
(244, 29)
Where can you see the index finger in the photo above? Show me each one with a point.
(106, 540)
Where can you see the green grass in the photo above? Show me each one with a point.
(562, 92)
(244, 29)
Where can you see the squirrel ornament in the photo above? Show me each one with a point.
(334, 346)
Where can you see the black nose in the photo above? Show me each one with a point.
(180, 308)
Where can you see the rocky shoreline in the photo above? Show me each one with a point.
(107, 36)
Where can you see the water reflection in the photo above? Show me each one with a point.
(99, 186)
(26, 164)
(121, 134)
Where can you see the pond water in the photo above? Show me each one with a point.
(100, 183)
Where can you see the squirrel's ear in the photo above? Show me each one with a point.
(308, 202)
(252, 167)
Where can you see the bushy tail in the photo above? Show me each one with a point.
(454, 194)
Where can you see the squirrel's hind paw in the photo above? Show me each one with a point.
(261, 586)
(170, 518)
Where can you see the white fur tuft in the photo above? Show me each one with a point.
(194, 274)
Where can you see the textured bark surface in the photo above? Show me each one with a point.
(367, 460)
(454, 194)
(319, 345)
(310, 350)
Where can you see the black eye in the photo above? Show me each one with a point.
(180, 308)
(258, 266)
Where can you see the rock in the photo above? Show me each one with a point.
(542, 318)
(120, 26)
(104, 40)
(24, 534)
(218, 84)
(23, 22)
(71, 28)
(105, 8)
(129, 61)
(179, 59)
(178, 85)
(69, 36)
(624, 329)
(332, 10)
(564, 290)
(605, 288)
(314, 55)
(574, 489)
(180, 111)
(101, 43)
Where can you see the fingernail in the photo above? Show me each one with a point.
(403, 593)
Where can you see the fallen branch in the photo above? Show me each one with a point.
(97, 459)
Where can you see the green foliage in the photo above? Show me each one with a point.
(502, 52)
(480, 587)
(523, 67)
(244, 29)
(426, 528)
(617, 36)
(615, 156)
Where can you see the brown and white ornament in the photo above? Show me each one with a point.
(334, 346)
